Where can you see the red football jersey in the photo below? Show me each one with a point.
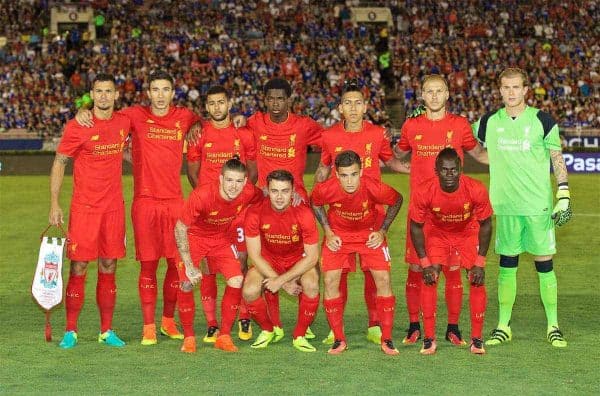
(451, 212)
(425, 138)
(282, 234)
(353, 216)
(98, 162)
(216, 146)
(208, 215)
(157, 150)
(283, 146)
(370, 143)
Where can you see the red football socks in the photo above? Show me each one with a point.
(147, 289)
(413, 294)
(429, 307)
(334, 309)
(272, 300)
(229, 308)
(343, 288)
(208, 292)
(370, 293)
(187, 310)
(106, 297)
(454, 294)
(243, 314)
(170, 287)
(385, 310)
(74, 299)
(477, 303)
(258, 311)
(307, 310)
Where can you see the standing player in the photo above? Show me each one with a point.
(220, 142)
(97, 220)
(448, 204)
(423, 137)
(204, 232)
(372, 145)
(351, 227)
(282, 139)
(522, 141)
(283, 244)
(157, 150)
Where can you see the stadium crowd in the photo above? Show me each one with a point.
(240, 44)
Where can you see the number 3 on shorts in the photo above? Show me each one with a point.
(240, 234)
(386, 253)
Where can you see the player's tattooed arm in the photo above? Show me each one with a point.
(322, 173)
(485, 236)
(332, 241)
(376, 238)
(399, 165)
(183, 246)
(194, 133)
(391, 213)
(559, 166)
(57, 174)
(479, 154)
(401, 154)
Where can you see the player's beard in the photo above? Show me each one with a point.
(220, 119)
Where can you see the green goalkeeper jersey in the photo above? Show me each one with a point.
(519, 154)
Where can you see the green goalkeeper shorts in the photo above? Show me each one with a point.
(531, 234)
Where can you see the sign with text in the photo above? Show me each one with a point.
(582, 162)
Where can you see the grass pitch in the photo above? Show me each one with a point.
(527, 365)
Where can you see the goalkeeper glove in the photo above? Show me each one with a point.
(562, 210)
(417, 112)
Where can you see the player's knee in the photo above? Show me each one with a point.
(509, 261)
(78, 267)
(107, 266)
(544, 266)
(310, 285)
(251, 290)
(186, 286)
(235, 281)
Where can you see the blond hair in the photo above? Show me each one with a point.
(434, 77)
(510, 72)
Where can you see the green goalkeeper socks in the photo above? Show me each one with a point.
(507, 293)
(549, 294)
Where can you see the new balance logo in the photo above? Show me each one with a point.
(149, 121)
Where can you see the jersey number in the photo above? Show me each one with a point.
(240, 234)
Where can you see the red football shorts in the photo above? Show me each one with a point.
(154, 227)
(221, 257)
(237, 228)
(93, 235)
(370, 259)
(281, 264)
(452, 249)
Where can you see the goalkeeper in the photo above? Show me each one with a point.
(521, 142)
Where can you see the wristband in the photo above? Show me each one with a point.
(425, 262)
(480, 261)
(563, 193)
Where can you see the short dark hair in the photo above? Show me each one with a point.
(280, 175)
(447, 154)
(161, 75)
(347, 158)
(102, 77)
(351, 86)
(234, 164)
(278, 83)
(217, 89)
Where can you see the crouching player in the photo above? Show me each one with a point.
(204, 231)
(449, 207)
(349, 228)
(282, 242)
